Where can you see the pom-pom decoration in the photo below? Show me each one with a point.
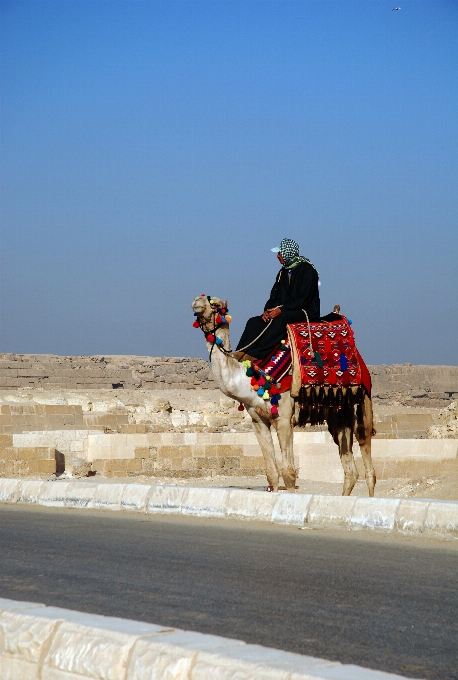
(261, 391)
(262, 380)
(210, 337)
(219, 341)
(246, 363)
(228, 318)
(249, 372)
(223, 319)
(218, 319)
(254, 381)
(266, 396)
(274, 400)
(256, 387)
(223, 310)
(343, 362)
(240, 407)
(274, 410)
(283, 342)
(196, 324)
(350, 321)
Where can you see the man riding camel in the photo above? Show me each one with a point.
(295, 291)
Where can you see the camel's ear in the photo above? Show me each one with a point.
(224, 304)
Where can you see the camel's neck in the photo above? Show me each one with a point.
(224, 367)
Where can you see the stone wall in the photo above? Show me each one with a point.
(97, 372)
(408, 384)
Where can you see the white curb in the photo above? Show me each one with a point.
(407, 516)
(49, 643)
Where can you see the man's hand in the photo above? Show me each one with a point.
(271, 314)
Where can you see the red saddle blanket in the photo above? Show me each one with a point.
(337, 362)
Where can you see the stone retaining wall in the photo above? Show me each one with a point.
(412, 385)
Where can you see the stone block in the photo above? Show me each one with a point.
(45, 467)
(6, 441)
(9, 490)
(166, 499)
(411, 515)
(205, 502)
(135, 497)
(80, 494)
(108, 496)
(291, 508)
(333, 510)
(53, 494)
(255, 505)
(30, 491)
(374, 513)
(25, 640)
(442, 518)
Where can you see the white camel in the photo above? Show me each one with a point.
(233, 382)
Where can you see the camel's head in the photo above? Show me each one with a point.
(207, 311)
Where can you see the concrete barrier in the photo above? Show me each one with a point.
(409, 516)
(49, 643)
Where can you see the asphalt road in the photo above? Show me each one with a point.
(379, 602)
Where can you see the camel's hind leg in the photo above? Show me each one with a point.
(344, 440)
(364, 431)
(262, 430)
(284, 427)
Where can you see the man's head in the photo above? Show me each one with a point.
(286, 251)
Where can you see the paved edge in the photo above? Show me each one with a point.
(420, 517)
(49, 642)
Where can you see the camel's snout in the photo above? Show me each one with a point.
(199, 305)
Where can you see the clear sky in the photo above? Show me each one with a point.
(154, 151)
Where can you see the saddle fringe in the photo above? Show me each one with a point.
(334, 405)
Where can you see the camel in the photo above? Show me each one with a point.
(231, 378)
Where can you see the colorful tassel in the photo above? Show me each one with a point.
(274, 400)
(249, 372)
(210, 337)
(274, 410)
(228, 318)
(350, 321)
(218, 319)
(196, 324)
(266, 396)
(262, 380)
(261, 391)
(219, 341)
(318, 359)
(223, 319)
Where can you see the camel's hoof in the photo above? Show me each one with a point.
(271, 489)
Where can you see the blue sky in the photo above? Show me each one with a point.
(154, 151)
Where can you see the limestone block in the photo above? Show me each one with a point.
(6, 441)
(166, 499)
(53, 494)
(25, 638)
(79, 651)
(108, 496)
(244, 504)
(154, 661)
(11, 605)
(333, 510)
(80, 494)
(411, 515)
(442, 518)
(135, 497)
(9, 490)
(321, 463)
(209, 666)
(205, 502)
(30, 491)
(291, 508)
(374, 513)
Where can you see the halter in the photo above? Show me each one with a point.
(221, 317)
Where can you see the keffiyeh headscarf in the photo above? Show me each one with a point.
(289, 251)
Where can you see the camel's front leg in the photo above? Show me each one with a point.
(364, 436)
(262, 430)
(345, 443)
(284, 427)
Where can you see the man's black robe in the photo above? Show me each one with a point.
(294, 291)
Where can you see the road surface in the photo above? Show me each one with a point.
(376, 601)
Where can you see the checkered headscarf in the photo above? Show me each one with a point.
(289, 249)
